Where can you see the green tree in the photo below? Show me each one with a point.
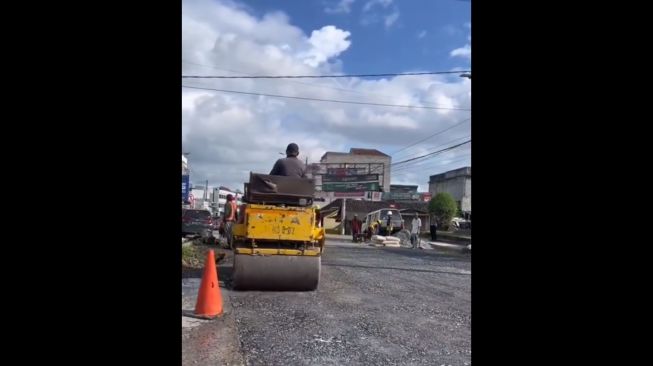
(444, 208)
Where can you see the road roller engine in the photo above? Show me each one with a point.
(278, 240)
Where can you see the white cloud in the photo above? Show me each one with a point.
(326, 43)
(465, 51)
(391, 19)
(230, 135)
(372, 3)
(344, 6)
(421, 34)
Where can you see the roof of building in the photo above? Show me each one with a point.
(332, 153)
(356, 151)
(460, 172)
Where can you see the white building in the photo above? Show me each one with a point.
(184, 165)
(185, 182)
(456, 182)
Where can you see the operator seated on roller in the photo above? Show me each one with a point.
(290, 166)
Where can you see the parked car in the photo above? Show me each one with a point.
(460, 223)
(382, 214)
(196, 222)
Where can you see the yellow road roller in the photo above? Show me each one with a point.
(278, 239)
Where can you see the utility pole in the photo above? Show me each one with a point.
(343, 216)
(206, 189)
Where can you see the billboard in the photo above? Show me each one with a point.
(185, 187)
(396, 188)
(349, 194)
(376, 196)
(331, 178)
(350, 187)
(346, 171)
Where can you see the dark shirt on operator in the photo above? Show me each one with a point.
(289, 167)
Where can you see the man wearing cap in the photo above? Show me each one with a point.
(290, 166)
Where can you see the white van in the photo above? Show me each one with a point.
(382, 214)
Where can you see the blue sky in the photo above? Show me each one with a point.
(230, 134)
(376, 48)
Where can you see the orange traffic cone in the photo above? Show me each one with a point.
(209, 299)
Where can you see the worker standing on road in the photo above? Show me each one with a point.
(355, 228)
(290, 166)
(434, 229)
(230, 216)
(415, 228)
(371, 230)
(388, 226)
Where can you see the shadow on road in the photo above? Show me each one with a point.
(191, 314)
(393, 268)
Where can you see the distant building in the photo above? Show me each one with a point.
(456, 182)
(198, 198)
(400, 192)
(185, 182)
(405, 193)
(184, 165)
(357, 162)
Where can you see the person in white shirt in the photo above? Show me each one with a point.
(416, 225)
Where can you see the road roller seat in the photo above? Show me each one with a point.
(279, 190)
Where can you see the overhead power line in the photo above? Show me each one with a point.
(320, 76)
(427, 165)
(290, 81)
(421, 162)
(324, 100)
(310, 84)
(435, 134)
(430, 149)
(433, 153)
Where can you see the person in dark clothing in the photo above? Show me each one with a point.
(290, 166)
(355, 228)
(388, 225)
(434, 228)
